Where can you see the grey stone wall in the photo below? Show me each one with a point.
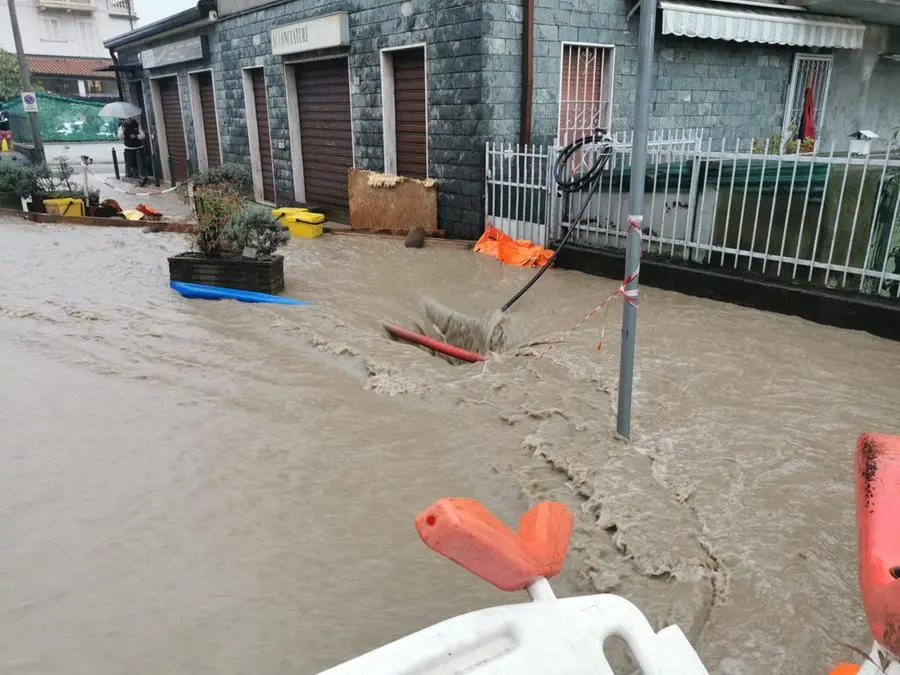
(453, 65)
(473, 63)
(452, 33)
(863, 93)
(181, 71)
(728, 90)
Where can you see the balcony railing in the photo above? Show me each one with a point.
(121, 8)
(86, 6)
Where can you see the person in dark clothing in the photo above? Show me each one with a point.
(133, 136)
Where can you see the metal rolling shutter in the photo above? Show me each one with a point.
(265, 139)
(172, 123)
(409, 103)
(326, 138)
(210, 126)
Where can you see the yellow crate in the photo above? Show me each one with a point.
(65, 207)
(290, 213)
(304, 230)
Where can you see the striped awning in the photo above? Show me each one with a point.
(764, 26)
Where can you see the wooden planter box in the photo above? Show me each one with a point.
(263, 276)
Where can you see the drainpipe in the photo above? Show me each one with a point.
(527, 70)
(115, 61)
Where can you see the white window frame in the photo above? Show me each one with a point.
(607, 84)
(792, 91)
(197, 115)
(290, 89)
(388, 110)
(86, 48)
(259, 190)
(51, 29)
(162, 140)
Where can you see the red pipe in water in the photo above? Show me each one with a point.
(437, 345)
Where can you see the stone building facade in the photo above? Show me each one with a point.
(474, 79)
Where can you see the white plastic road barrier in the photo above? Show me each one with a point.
(544, 637)
(557, 637)
(880, 662)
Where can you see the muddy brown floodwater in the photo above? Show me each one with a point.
(200, 487)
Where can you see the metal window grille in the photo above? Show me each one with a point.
(585, 97)
(810, 81)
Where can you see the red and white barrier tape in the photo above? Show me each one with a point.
(129, 192)
(630, 295)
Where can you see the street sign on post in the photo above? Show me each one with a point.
(29, 102)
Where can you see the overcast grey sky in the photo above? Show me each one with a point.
(153, 10)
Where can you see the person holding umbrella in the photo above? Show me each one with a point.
(130, 133)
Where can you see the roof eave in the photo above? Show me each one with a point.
(203, 13)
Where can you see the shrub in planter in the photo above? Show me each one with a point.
(227, 227)
(254, 227)
(17, 182)
(233, 178)
(214, 209)
(54, 181)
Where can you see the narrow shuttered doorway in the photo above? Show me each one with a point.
(170, 101)
(262, 129)
(208, 115)
(326, 136)
(410, 112)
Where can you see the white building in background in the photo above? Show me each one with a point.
(64, 42)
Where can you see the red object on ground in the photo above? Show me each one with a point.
(147, 210)
(437, 345)
(113, 204)
(468, 534)
(877, 510)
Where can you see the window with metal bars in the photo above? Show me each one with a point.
(585, 90)
(807, 97)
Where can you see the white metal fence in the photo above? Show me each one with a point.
(820, 217)
(517, 195)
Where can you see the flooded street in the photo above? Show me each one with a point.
(213, 487)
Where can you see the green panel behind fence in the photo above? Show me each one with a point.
(62, 120)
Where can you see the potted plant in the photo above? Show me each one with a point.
(55, 182)
(231, 178)
(233, 246)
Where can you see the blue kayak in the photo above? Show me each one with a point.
(203, 292)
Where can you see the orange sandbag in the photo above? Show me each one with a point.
(520, 252)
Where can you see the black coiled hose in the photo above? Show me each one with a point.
(603, 150)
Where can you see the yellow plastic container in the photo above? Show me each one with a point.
(65, 207)
(304, 230)
(289, 214)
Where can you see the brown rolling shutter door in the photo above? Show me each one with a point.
(210, 126)
(265, 139)
(326, 137)
(409, 104)
(172, 123)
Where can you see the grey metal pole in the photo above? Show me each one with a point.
(633, 237)
(26, 77)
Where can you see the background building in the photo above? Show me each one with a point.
(303, 89)
(72, 33)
